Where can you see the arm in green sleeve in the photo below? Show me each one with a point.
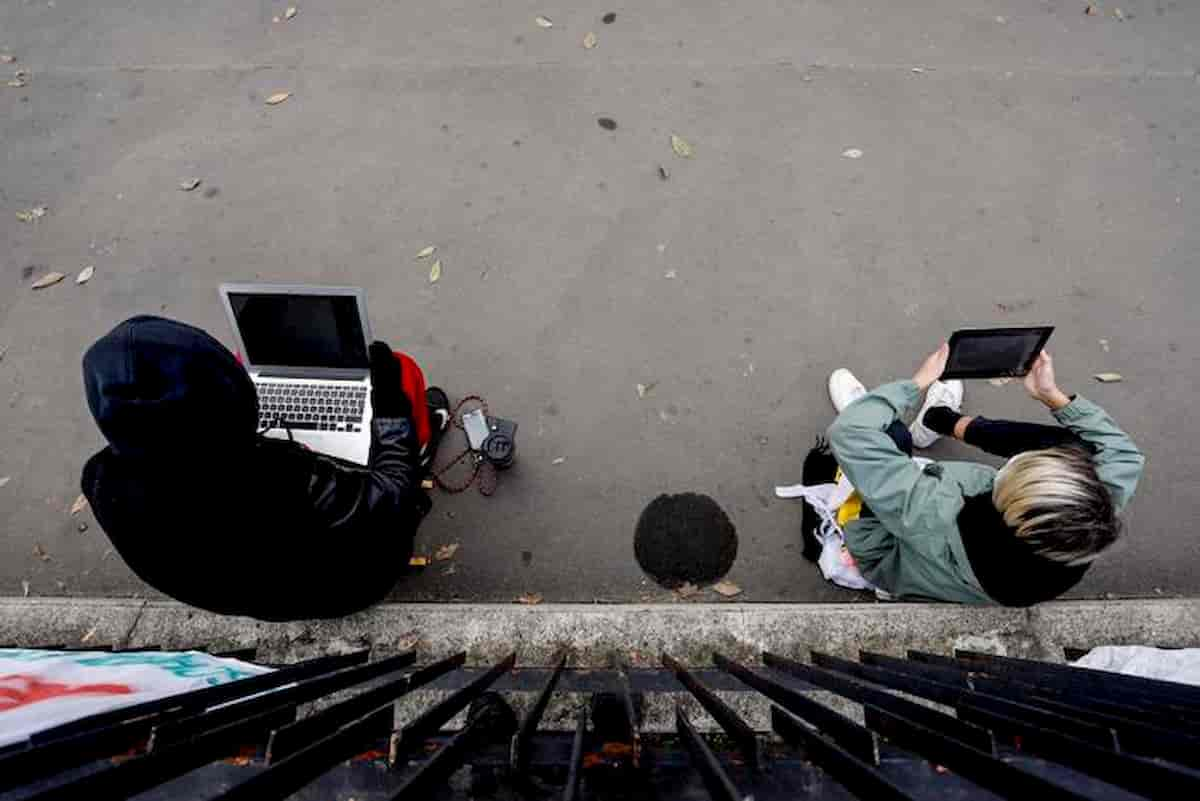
(893, 486)
(1118, 461)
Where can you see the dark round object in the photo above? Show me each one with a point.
(683, 539)
(500, 450)
(609, 18)
(607, 123)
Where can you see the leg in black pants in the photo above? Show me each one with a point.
(1004, 438)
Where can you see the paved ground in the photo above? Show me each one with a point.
(1044, 166)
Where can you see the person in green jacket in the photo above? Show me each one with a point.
(963, 531)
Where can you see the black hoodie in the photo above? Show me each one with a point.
(208, 512)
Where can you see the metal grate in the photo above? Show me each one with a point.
(964, 727)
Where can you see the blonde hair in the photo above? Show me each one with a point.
(1054, 500)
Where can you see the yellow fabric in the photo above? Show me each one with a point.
(851, 509)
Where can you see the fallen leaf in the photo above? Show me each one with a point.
(918, 70)
(24, 589)
(543, 22)
(29, 215)
(80, 504)
(450, 571)
(1108, 378)
(662, 172)
(852, 153)
(91, 635)
(644, 389)
(189, 184)
(49, 279)
(726, 588)
(529, 599)
(4, 480)
(291, 12)
(435, 272)
(1091, 11)
(1104, 344)
(609, 18)
(559, 460)
(7, 58)
(670, 274)
(418, 561)
(277, 98)
(445, 552)
(607, 123)
(426, 252)
(1119, 14)
(589, 40)
(687, 590)
(85, 274)
(16, 83)
(40, 552)
(681, 147)
(999, 382)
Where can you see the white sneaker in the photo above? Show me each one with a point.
(941, 393)
(844, 388)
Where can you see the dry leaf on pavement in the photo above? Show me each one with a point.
(543, 22)
(999, 382)
(852, 153)
(1108, 378)
(29, 215)
(4, 480)
(1104, 344)
(40, 552)
(291, 12)
(49, 279)
(435, 272)
(24, 589)
(446, 552)
(80, 504)
(85, 274)
(726, 588)
(681, 147)
(426, 252)
(589, 40)
(644, 389)
(450, 571)
(559, 460)
(277, 98)
(529, 599)
(189, 184)
(91, 635)
(17, 83)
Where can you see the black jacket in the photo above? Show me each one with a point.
(205, 510)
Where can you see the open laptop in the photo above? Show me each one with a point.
(305, 347)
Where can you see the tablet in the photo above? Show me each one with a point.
(995, 352)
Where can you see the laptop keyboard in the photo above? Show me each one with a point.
(311, 407)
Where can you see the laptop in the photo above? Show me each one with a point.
(305, 348)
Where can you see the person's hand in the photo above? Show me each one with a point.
(1040, 383)
(387, 391)
(933, 367)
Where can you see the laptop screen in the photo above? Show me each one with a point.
(300, 330)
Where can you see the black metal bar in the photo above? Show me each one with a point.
(864, 693)
(575, 769)
(302, 692)
(19, 767)
(1002, 778)
(286, 740)
(936, 691)
(922, 670)
(206, 697)
(438, 768)
(1098, 736)
(859, 777)
(625, 689)
(726, 718)
(244, 654)
(720, 786)
(1138, 775)
(520, 743)
(1154, 691)
(432, 719)
(860, 742)
(140, 773)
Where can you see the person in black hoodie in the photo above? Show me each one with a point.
(207, 511)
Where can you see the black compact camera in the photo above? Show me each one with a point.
(494, 438)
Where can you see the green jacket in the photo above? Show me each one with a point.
(912, 546)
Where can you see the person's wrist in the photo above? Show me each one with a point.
(1056, 400)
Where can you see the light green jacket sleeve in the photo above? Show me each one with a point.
(897, 490)
(1118, 461)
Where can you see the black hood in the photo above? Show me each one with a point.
(159, 388)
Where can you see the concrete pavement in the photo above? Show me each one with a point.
(1041, 166)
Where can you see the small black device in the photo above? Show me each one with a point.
(995, 352)
(494, 438)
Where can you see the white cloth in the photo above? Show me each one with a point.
(42, 689)
(1181, 664)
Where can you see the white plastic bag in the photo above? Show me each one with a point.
(42, 689)
(835, 561)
